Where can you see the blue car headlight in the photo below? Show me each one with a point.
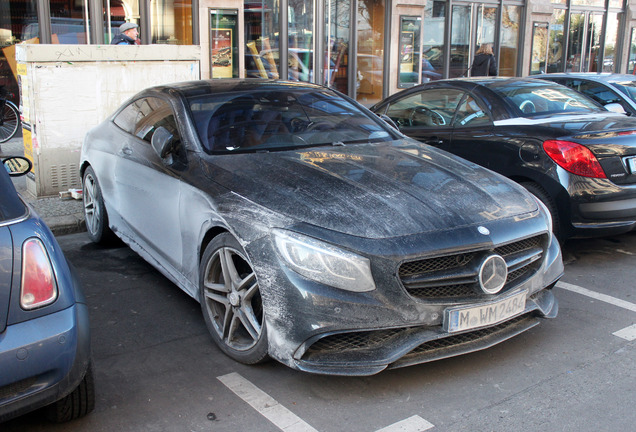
(323, 262)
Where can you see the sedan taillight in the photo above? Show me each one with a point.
(38, 286)
(574, 158)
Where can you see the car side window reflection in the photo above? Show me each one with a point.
(142, 117)
(469, 113)
(430, 108)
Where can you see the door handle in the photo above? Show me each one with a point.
(127, 151)
(434, 141)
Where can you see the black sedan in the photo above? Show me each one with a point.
(578, 158)
(312, 232)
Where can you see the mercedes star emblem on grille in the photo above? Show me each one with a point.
(492, 274)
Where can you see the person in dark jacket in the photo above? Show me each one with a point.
(129, 34)
(484, 63)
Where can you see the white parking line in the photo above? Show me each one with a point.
(267, 406)
(286, 420)
(411, 424)
(598, 296)
(628, 333)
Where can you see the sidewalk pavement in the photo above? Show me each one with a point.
(63, 216)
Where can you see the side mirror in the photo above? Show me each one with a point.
(389, 121)
(17, 166)
(615, 107)
(161, 142)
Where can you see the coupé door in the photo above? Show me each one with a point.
(149, 190)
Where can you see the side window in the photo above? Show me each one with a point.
(429, 108)
(599, 93)
(142, 117)
(470, 113)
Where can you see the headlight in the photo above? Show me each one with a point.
(323, 262)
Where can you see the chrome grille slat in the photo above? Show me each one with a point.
(456, 276)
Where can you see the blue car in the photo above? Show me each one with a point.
(45, 356)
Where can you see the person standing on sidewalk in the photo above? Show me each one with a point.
(129, 35)
(484, 63)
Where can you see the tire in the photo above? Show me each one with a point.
(94, 210)
(9, 122)
(538, 191)
(231, 301)
(77, 404)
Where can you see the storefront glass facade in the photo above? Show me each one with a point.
(320, 39)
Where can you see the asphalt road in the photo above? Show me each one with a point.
(158, 370)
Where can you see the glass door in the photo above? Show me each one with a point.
(584, 42)
(471, 26)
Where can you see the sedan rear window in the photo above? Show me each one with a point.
(534, 99)
(277, 120)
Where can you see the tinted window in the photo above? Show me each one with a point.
(429, 108)
(273, 119)
(470, 113)
(627, 87)
(144, 116)
(532, 99)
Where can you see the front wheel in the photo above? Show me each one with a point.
(9, 121)
(231, 301)
(95, 214)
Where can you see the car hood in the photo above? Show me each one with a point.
(372, 190)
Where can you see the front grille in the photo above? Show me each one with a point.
(457, 276)
(463, 338)
(354, 340)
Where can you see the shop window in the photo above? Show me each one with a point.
(262, 28)
(117, 12)
(409, 51)
(370, 51)
(337, 30)
(631, 67)
(68, 25)
(171, 22)
(555, 44)
(434, 26)
(509, 41)
(539, 48)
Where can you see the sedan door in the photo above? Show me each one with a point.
(427, 115)
(148, 189)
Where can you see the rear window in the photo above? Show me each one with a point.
(535, 99)
(11, 207)
(266, 120)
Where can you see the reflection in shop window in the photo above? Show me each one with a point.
(301, 32)
(631, 67)
(555, 46)
(117, 12)
(370, 52)
(68, 25)
(262, 28)
(171, 22)
(410, 28)
(611, 33)
(509, 45)
(433, 40)
(539, 48)
(337, 27)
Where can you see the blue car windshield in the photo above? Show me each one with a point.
(535, 99)
(268, 120)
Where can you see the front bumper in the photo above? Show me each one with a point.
(43, 360)
(324, 330)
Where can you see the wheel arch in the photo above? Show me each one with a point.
(210, 234)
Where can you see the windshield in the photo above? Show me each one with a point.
(627, 87)
(534, 99)
(266, 120)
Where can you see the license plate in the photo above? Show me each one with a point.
(631, 163)
(470, 317)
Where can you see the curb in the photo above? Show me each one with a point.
(67, 224)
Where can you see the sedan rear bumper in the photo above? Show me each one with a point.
(43, 360)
